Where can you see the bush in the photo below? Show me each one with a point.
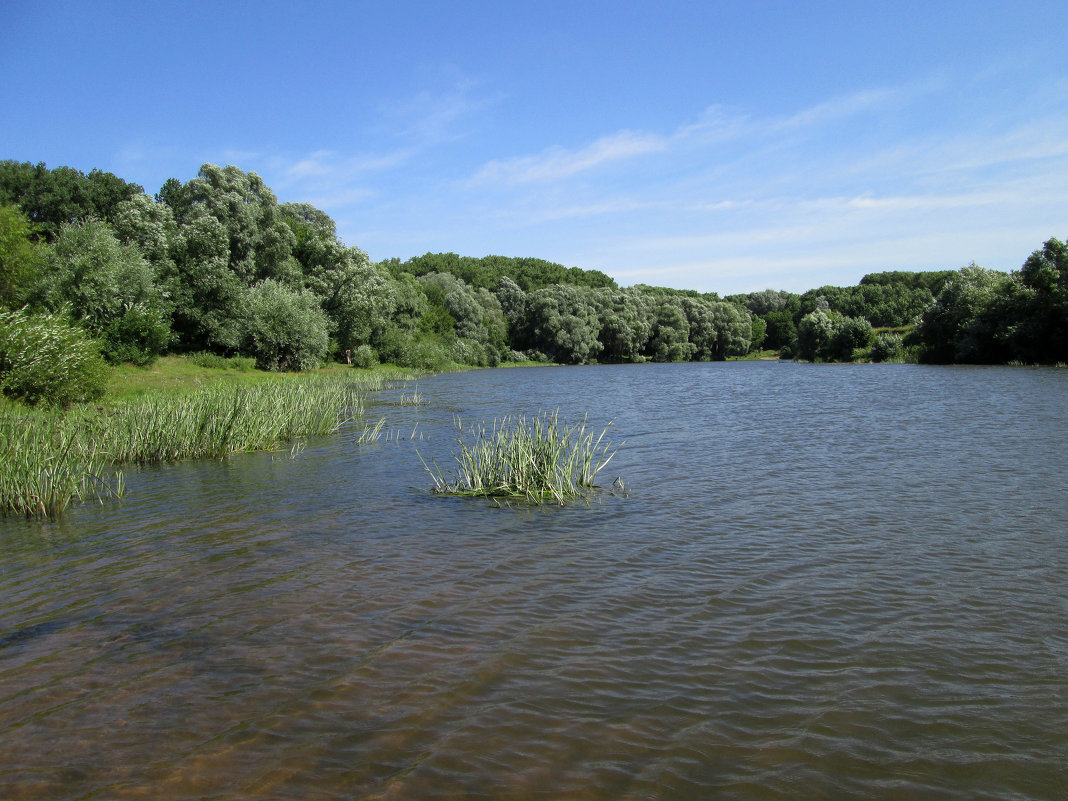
(288, 330)
(139, 336)
(45, 360)
(424, 355)
(850, 334)
(887, 348)
(364, 356)
(468, 351)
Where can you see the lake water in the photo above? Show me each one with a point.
(821, 582)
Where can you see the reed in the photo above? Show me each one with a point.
(222, 420)
(538, 459)
(49, 459)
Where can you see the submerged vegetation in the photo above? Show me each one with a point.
(538, 459)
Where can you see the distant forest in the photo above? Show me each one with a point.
(218, 265)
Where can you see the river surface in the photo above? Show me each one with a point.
(819, 582)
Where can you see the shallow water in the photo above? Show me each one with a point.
(822, 582)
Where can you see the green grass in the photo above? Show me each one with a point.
(538, 459)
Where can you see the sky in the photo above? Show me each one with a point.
(719, 146)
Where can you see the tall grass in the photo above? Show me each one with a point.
(222, 420)
(538, 459)
(49, 459)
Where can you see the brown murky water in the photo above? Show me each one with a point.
(826, 582)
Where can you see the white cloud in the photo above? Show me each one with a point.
(557, 162)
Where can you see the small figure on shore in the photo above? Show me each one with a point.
(348, 355)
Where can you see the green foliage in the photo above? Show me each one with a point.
(54, 198)
(962, 325)
(20, 255)
(287, 330)
(44, 360)
(830, 336)
(529, 274)
(887, 348)
(537, 460)
(139, 336)
(781, 329)
(850, 334)
(565, 323)
(759, 333)
(96, 276)
(364, 356)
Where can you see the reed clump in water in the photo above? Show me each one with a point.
(538, 459)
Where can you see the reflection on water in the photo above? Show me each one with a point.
(826, 582)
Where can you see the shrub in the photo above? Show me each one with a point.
(468, 351)
(364, 356)
(887, 348)
(424, 355)
(850, 334)
(43, 359)
(139, 336)
(207, 360)
(288, 330)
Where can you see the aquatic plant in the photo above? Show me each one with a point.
(538, 459)
(222, 420)
(49, 459)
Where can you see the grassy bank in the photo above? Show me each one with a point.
(175, 409)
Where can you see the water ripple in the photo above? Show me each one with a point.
(825, 582)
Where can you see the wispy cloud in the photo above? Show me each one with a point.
(557, 162)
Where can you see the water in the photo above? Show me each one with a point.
(822, 582)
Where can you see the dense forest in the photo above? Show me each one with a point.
(91, 266)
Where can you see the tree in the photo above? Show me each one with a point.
(53, 198)
(781, 330)
(259, 242)
(962, 324)
(210, 301)
(95, 275)
(287, 329)
(1038, 306)
(814, 334)
(20, 255)
(734, 330)
(626, 323)
(564, 323)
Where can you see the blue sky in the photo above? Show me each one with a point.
(718, 146)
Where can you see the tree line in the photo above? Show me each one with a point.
(216, 264)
